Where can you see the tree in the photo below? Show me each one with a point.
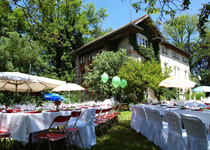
(201, 59)
(171, 7)
(61, 26)
(11, 19)
(108, 62)
(18, 52)
(141, 76)
(182, 31)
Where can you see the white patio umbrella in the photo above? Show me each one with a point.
(174, 82)
(20, 82)
(68, 87)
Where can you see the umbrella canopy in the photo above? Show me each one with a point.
(20, 82)
(68, 87)
(53, 97)
(202, 89)
(174, 82)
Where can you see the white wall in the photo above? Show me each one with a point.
(173, 62)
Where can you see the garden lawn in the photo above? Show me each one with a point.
(121, 137)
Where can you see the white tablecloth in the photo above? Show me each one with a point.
(203, 115)
(22, 124)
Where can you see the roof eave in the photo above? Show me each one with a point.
(177, 48)
(108, 35)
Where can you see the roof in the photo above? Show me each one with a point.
(101, 40)
(167, 44)
(131, 27)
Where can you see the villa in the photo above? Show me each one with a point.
(141, 31)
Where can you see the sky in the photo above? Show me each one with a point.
(119, 14)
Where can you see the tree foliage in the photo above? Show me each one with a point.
(148, 53)
(17, 53)
(141, 76)
(201, 59)
(108, 62)
(182, 32)
(59, 26)
(45, 34)
(172, 7)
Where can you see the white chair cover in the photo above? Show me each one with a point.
(177, 137)
(86, 129)
(137, 119)
(197, 138)
(149, 133)
(160, 130)
(141, 120)
(133, 116)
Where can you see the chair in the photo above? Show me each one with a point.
(149, 134)
(141, 120)
(157, 130)
(160, 130)
(4, 133)
(116, 111)
(108, 116)
(100, 121)
(177, 137)
(51, 135)
(73, 130)
(133, 116)
(196, 133)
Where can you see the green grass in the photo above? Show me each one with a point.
(121, 137)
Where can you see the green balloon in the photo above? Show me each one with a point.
(104, 77)
(123, 83)
(116, 81)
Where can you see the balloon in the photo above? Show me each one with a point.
(104, 77)
(123, 83)
(116, 81)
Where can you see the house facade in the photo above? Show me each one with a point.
(141, 31)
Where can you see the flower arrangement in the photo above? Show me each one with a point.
(57, 103)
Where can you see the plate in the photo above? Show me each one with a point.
(13, 110)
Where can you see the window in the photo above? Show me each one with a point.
(100, 51)
(186, 74)
(164, 50)
(176, 71)
(82, 76)
(91, 56)
(82, 60)
(175, 55)
(184, 59)
(166, 65)
(142, 40)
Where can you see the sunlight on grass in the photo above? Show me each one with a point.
(123, 137)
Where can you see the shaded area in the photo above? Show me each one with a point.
(121, 137)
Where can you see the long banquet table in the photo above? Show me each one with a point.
(203, 115)
(22, 124)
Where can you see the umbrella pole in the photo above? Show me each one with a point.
(15, 93)
(29, 82)
(69, 96)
